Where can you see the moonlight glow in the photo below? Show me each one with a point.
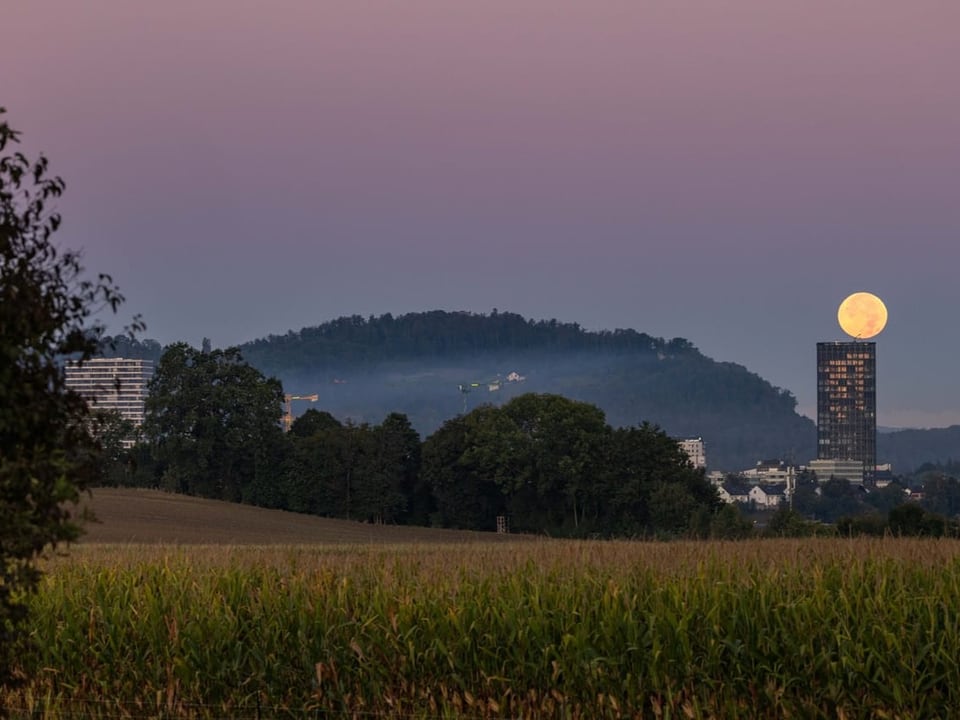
(862, 315)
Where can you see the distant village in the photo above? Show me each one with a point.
(771, 483)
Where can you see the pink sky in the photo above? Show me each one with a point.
(722, 171)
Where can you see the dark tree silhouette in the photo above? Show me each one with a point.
(48, 452)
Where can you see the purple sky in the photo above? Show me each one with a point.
(724, 171)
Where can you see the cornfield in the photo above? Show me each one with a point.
(758, 629)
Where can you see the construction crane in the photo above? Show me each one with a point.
(288, 415)
(465, 388)
(492, 386)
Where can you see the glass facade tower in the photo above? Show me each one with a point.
(847, 402)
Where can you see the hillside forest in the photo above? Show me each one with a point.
(436, 365)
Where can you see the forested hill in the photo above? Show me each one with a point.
(909, 449)
(364, 368)
(440, 335)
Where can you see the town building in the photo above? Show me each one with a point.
(695, 450)
(847, 405)
(772, 471)
(716, 477)
(113, 384)
(734, 491)
(884, 475)
(762, 496)
(769, 496)
(852, 470)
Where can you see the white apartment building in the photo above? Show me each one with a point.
(769, 496)
(695, 450)
(118, 384)
(771, 471)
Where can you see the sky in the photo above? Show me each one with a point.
(724, 171)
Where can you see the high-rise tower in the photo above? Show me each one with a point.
(847, 403)
(117, 384)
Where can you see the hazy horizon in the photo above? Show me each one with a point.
(726, 173)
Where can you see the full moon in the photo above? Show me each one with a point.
(862, 315)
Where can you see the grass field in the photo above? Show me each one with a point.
(535, 629)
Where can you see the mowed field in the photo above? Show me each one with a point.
(151, 516)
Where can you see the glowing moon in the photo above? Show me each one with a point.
(862, 315)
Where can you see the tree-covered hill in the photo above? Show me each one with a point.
(439, 335)
(364, 368)
(907, 450)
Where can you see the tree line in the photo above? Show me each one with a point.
(545, 463)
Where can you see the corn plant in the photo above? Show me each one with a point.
(762, 629)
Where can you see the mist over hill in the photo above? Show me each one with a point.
(420, 363)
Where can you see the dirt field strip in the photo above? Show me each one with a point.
(151, 516)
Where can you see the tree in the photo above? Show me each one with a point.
(343, 487)
(728, 524)
(312, 422)
(838, 497)
(555, 466)
(312, 468)
(941, 494)
(884, 499)
(671, 509)
(806, 497)
(536, 459)
(394, 467)
(352, 471)
(653, 488)
(48, 452)
(789, 523)
(213, 424)
(114, 433)
(910, 519)
(564, 442)
(466, 497)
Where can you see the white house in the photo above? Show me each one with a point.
(769, 495)
(732, 491)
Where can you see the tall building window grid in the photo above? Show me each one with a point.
(112, 384)
(846, 402)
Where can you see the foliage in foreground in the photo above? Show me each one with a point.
(47, 451)
(814, 628)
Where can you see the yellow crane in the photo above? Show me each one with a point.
(288, 415)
